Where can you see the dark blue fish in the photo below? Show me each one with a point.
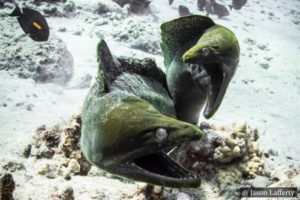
(219, 9)
(32, 22)
(237, 4)
(201, 4)
(183, 11)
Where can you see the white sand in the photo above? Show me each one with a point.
(265, 98)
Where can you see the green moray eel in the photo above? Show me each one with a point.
(201, 57)
(129, 122)
(134, 113)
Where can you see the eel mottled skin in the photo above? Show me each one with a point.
(193, 78)
(128, 121)
(134, 113)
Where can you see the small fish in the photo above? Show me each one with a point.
(139, 6)
(170, 2)
(183, 11)
(201, 4)
(237, 4)
(32, 22)
(219, 9)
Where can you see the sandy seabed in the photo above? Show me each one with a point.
(264, 92)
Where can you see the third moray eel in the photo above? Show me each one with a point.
(135, 113)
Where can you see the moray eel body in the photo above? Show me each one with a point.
(129, 121)
(134, 113)
(201, 57)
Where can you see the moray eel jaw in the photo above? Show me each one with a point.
(133, 142)
(159, 169)
(149, 161)
(217, 52)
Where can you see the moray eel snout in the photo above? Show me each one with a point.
(137, 148)
(217, 53)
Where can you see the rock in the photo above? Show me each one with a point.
(262, 47)
(225, 153)
(7, 186)
(151, 192)
(264, 65)
(43, 169)
(273, 152)
(62, 29)
(78, 33)
(29, 107)
(47, 62)
(229, 176)
(62, 144)
(13, 166)
(69, 6)
(73, 166)
(27, 151)
(233, 145)
(45, 140)
(250, 41)
(261, 181)
(67, 194)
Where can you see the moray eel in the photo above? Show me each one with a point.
(201, 57)
(134, 113)
(129, 123)
(218, 52)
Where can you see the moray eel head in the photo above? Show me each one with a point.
(134, 141)
(217, 52)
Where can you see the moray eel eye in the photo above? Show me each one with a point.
(205, 51)
(161, 134)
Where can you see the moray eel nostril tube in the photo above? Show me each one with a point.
(128, 123)
(134, 113)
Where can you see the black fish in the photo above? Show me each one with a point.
(139, 6)
(209, 8)
(183, 11)
(201, 4)
(237, 4)
(170, 2)
(219, 9)
(32, 22)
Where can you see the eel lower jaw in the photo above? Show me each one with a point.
(216, 88)
(160, 169)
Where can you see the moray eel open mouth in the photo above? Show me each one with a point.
(159, 168)
(217, 83)
(217, 54)
(134, 142)
(150, 161)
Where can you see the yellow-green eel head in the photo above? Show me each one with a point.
(132, 139)
(217, 51)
